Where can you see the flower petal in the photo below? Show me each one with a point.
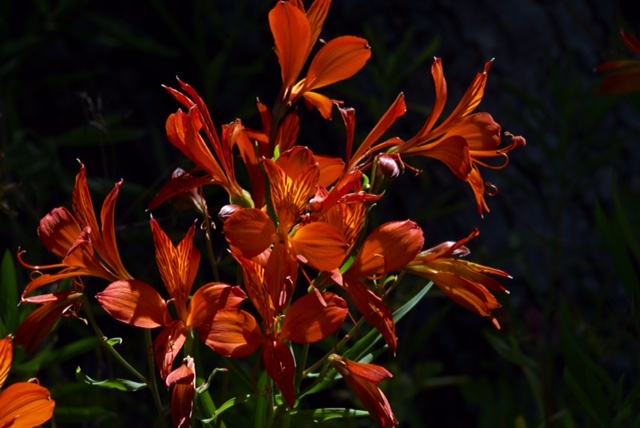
(292, 35)
(337, 60)
(281, 366)
(210, 298)
(309, 321)
(249, 232)
(6, 358)
(58, 231)
(134, 302)
(167, 346)
(388, 248)
(25, 405)
(231, 333)
(320, 245)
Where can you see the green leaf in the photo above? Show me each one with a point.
(8, 295)
(229, 404)
(304, 417)
(119, 384)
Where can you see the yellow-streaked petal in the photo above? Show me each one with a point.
(6, 358)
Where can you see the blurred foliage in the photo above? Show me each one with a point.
(81, 79)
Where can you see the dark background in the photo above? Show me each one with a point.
(82, 80)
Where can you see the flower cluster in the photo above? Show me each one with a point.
(298, 230)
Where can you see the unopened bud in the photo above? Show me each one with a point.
(388, 167)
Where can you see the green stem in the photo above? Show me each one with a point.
(103, 339)
(210, 254)
(153, 384)
(302, 362)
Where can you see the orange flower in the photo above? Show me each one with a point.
(293, 181)
(184, 132)
(139, 304)
(295, 33)
(364, 379)
(310, 319)
(85, 249)
(387, 249)
(464, 282)
(464, 139)
(23, 404)
(623, 76)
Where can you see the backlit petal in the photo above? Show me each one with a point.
(338, 60)
(210, 298)
(292, 34)
(232, 333)
(320, 245)
(309, 321)
(388, 248)
(134, 302)
(249, 232)
(58, 231)
(6, 358)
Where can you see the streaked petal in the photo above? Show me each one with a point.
(451, 150)
(167, 346)
(309, 321)
(6, 358)
(134, 302)
(58, 231)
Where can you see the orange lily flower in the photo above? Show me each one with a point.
(295, 33)
(623, 76)
(85, 249)
(310, 319)
(293, 180)
(23, 404)
(466, 283)
(184, 132)
(464, 139)
(387, 249)
(364, 379)
(139, 304)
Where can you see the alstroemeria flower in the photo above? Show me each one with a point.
(310, 319)
(295, 33)
(85, 248)
(387, 249)
(464, 140)
(364, 379)
(139, 304)
(23, 404)
(184, 131)
(293, 181)
(466, 283)
(623, 77)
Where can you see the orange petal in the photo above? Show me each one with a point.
(6, 358)
(25, 405)
(108, 248)
(82, 205)
(466, 293)
(337, 60)
(388, 248)
(249, 232)
(253, 275)
(373, 309)
(453, 151)
(182, 380)
(210, 298)
(330, 169)
(134, 302)
(316, 16)
(37, 326)
(292, 34)
(482, 133)
(476, 182)
(280, 276)
(321, 102)
(288, 132)
(441, 99)
(281, 366)
(167, 346)
(309, 321)
(58, 231)
(232, 333)
(320, 245)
